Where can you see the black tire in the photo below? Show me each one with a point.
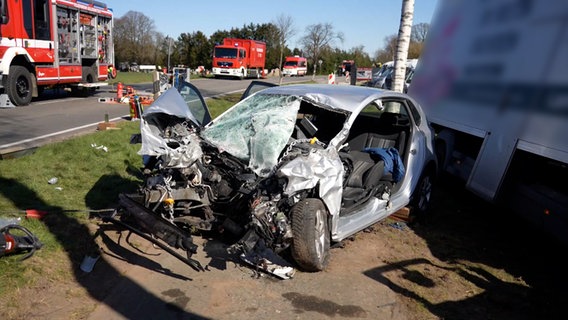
(422, 196)
(311, 236)
(19, 86)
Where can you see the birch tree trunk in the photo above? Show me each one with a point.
(403, 42)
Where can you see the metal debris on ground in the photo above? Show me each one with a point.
(398, 225)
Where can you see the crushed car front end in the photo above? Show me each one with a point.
(240, 175)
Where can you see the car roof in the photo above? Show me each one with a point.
(341, 97)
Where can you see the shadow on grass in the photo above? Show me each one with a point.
(104, 193)
(76, 239)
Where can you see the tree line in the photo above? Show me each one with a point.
(136, 40)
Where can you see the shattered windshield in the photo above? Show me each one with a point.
(256, 130)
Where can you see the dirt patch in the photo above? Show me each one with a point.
(467, 260)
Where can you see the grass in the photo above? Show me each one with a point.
(135, 77)
(132, 77)
(88, 180)
(218, 105)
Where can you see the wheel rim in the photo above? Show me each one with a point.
(425, 193)
(22, 87)
(320, 233)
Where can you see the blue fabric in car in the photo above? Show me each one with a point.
(392, 160)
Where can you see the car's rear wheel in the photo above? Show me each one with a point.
(310, 247)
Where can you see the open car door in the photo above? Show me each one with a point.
(195, 102)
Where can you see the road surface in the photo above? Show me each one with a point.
(57, 115)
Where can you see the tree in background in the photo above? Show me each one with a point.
(285, 26)
(319, 37)
(361, 58)
(389, 50)
(194, 49)
(137, 41)
(419, 32)
(268, 33)
(135, 38)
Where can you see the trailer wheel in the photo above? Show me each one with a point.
(19, 86)
(311, 238)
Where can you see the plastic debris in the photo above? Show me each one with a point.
(89, 263)
(35, 214)
(101, 147)
(52, 180)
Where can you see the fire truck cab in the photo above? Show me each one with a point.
(295, 66)
(53, 43)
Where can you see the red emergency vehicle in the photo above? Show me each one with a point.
(295, 66)
(53, 43)
(241, 58)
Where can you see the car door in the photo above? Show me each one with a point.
(195, 102)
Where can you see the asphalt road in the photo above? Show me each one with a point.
(57, 115)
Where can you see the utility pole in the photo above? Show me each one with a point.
(169, 51)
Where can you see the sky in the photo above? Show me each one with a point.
(362, 22)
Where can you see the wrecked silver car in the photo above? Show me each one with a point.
(294, 167)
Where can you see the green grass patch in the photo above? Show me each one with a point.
(132, 77)
(88, 179)
(218, 105)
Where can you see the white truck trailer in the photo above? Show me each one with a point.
(493, 81)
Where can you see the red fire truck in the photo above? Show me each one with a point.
(241, 58)
(295, 66)
(53, 43)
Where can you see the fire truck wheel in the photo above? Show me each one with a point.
(19, 86)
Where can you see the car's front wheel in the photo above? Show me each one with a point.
(19, 86)
(310, 247)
